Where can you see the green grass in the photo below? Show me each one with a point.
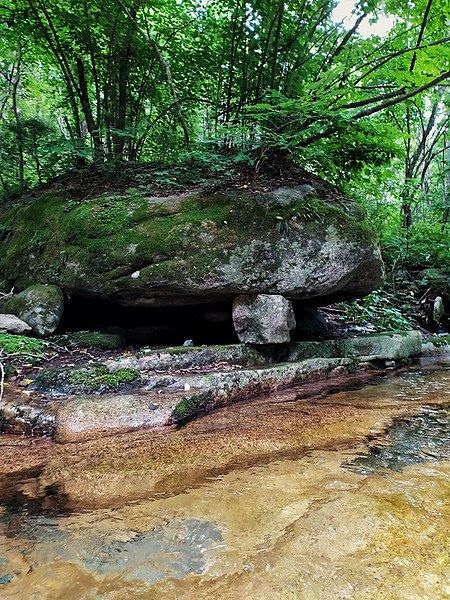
(23, 348)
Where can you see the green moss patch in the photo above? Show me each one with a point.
(88, 339)
(189, 407)
(97, 246)
(20, 344)
(16, 350)
(96, 379)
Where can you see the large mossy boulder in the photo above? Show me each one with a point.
(300, 242)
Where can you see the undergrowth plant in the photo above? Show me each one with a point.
(384, 309)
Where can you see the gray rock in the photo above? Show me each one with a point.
(195, 248)
(13, 324)
(438, 309)
(263, 319)
(380, 346)
(41, 306)
(383, 346)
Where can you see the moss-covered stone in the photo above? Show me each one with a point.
(189, 407)
(157, 251)
(188, 358)
(88, 339)
(40, 306)
(228, 387)
(385, 346)
(93, 379)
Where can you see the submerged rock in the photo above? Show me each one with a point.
(298, 242)
(40, 306)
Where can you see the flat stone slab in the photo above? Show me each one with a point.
(86, 417)
(175, 399)
(379, 346)
(12, 324)
(180, 357)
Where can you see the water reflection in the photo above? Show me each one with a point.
(344, 495)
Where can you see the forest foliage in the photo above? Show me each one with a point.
(223, 85)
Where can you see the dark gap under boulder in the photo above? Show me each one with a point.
(144, 326)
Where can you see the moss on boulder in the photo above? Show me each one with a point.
(89, 339)
(193, 248)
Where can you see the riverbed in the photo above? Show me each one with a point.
(343, 493)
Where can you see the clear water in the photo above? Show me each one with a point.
(341, 495)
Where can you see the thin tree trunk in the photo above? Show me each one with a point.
(276, 44)
(17, 118)
(168, 72)
(91, 125)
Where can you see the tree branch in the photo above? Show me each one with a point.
(168, 71)
(403, 97)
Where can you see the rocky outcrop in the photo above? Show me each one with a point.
(263, 319)
(373, 347)
(299, 242)
(158, 387)
(40, 306)
(77, 419)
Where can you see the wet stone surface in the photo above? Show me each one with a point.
(175, 549)
(343, 495)
(421, 438)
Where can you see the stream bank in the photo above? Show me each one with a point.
(154, 388)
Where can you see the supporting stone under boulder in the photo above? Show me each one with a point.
(263, 319)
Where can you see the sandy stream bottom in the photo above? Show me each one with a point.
(272, 499)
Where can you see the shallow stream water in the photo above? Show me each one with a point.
(343, 494)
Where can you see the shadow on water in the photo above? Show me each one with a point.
(31, 518)
(22, 494)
